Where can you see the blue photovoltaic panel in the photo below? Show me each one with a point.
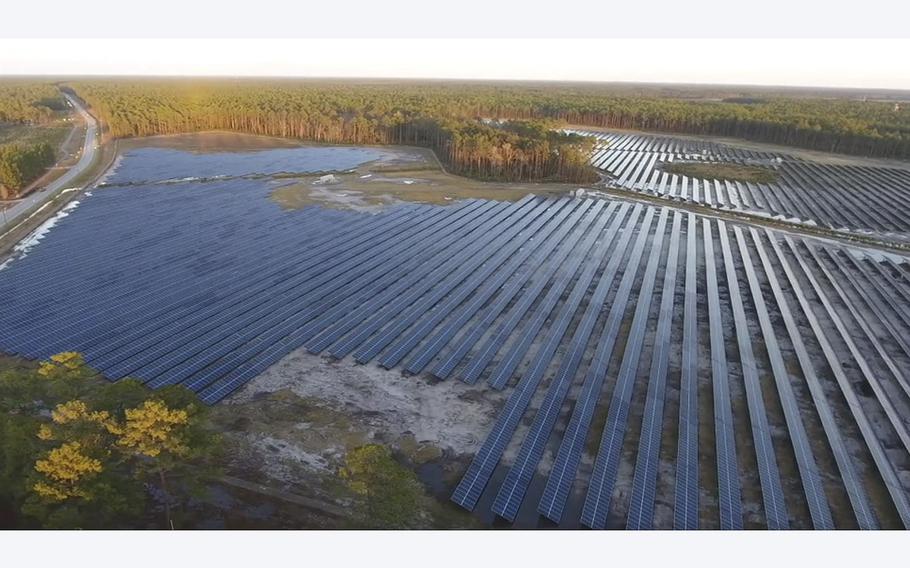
(475, 479)
(686, 495)
(776, 514)
(644, 480)
(852, 482)
(562, 474)
(207, 283)
(513, 489)
(842, 197)
(811, 478)
(730, 498)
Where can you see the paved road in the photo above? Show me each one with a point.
(8, 217)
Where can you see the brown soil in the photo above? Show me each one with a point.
(376, 185)
(291, 428)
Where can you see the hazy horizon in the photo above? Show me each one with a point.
(645, 84)
(812, 64)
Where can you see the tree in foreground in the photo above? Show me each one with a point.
(80, 452)
(390, 494)
(162, 442)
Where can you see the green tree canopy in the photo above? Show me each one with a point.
(79, 452)
(391, 494)
(431, 114)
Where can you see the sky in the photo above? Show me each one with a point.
(815, 43)
(790, 62)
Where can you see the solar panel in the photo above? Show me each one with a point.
(776, 514)
(885, 468)
(644, 480)
(495, 254)
(516, 483)
(207, 284)
(562, 474)
(809, 473)
(480, 286)
(730, 499)
(475, 479)
(686, 495)
(538, 281)
(495, 284)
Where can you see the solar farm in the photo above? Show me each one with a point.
(653, 360)
(847, 198)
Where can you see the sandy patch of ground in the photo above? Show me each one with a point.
(291, 428)
(302, 193)
(376, 403)
(373, 186)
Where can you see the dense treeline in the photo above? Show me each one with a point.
(443, 115)
(22, 164)
(841, 126)
(27, 102)
(346, 115)
(512, 151)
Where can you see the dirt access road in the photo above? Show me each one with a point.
(10, 217)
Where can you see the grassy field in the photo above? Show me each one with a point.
(54, 134)
(720, 171)
(61, 135)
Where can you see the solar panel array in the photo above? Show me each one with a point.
(645, 352)
(751, 339)
(841, 197)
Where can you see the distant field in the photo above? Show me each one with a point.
(54, 134)
(32, 112)
(34, 133)
(714, 170)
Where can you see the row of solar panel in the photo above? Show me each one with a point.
(674, 145)
(805, 191)
(600, 481)
(208, 293)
